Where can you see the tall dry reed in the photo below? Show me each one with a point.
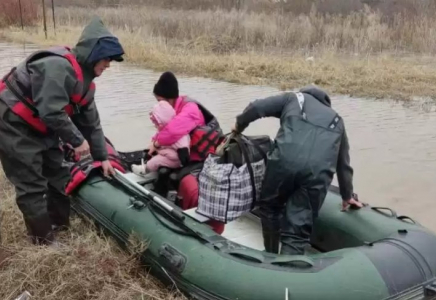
(362, 53)
(10, 13)
(221, 31)
(387, 7)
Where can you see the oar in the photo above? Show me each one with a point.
(150, 195)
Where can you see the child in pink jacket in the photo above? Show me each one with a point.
(167, 156)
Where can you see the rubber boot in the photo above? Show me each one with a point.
(58, 207)
(271, 233)
(40, 230)
(290, 250)
(271, 241)
(297, 223)
(161, 184)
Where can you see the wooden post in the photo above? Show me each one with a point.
(54, 19)
(21, 15)
(45, 19)
(238, 5)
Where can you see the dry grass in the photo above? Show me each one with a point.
(210, 44)
(221, 31)
(387, 7)
(360, 53)
(10, 13)
(86, 266)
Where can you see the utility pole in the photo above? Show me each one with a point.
(21, 15)
(45, 19)
(54, 19)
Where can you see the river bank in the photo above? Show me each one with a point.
(86, 265)
(211, 45)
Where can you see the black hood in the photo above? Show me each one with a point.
(318, 94)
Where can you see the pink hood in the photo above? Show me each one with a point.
(162, 114)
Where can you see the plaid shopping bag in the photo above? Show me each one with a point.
(229, 186)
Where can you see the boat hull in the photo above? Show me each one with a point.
(370, 255)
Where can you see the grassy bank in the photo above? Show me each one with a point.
(85, 266)
(357, 54)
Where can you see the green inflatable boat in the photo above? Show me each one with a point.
(366, 254)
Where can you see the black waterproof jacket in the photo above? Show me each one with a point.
(311, 144)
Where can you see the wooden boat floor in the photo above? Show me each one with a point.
(247, 231)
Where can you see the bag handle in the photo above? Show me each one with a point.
(220, 149)
(232, 136)
(250, 168)
(262, 153)
(243, 148)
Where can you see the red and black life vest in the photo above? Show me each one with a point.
(80, 169)
(205, 139)
(16, 89)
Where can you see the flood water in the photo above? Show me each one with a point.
(393, 145)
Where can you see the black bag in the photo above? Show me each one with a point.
(257, 148)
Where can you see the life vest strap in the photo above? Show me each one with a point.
(19, 95)
(207, 142)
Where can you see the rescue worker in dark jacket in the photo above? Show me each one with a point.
(47, 98)
(310, 146)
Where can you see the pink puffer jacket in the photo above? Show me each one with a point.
(188, 117)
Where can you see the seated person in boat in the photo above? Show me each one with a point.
(167, 156)
(310, 146)
(203, 128)
(191, 118)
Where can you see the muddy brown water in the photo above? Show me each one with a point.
(393, 144)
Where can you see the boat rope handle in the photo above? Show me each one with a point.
(379, 209)
(247, 254)
(283, 260)
(402, 218)
(290, 259)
